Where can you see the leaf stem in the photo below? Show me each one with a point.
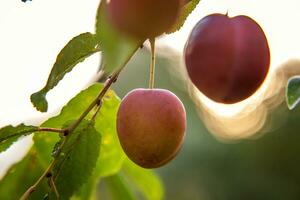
(152, 64)
(55, 130)
(96, 112)
(36, 129)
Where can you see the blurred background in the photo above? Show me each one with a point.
(244, 151)
(212, 165)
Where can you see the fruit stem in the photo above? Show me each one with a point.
(152, 63)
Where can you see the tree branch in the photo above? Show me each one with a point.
(30, 190)
(55, 130)
(96, 112)
(97, 101)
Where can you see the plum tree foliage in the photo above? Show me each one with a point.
(95, 132)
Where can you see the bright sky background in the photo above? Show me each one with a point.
(32, 34)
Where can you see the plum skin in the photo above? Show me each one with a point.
(227, 59)
(151, 125)
(143, 19)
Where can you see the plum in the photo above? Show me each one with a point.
(227, 59)
(143, 19)
(151, 125)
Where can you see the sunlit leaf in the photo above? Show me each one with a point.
(293, 92)
(116, 48)
(77, 50)
(111, 152)
(145, 180)
(111, 156)
(9, 134)
(87, 191)
(77, 160)
(133, 182)
(185, 12)
(117, 188)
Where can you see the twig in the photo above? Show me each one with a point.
(33, 187)
(55, 130)
(105, 88)
(70, 129)
(37, 129)
(96, 112)
(45, 174)
(73, 126)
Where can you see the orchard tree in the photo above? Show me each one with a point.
(97, 135)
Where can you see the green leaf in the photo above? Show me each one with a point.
(77, 159)
(118, 188)
(21, 176)
(133, 182)
(116, 48)
(111, 158)
(77, 50)
(145, 180)
(44, 143)
(9, 134)
(293, 92)
(112, 155)
(185, 12)
(87, 191)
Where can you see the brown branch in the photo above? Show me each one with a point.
(46, 173)
(55, 130)
(37, 129)
(105, 88)
(72, 127)
(96, 112)
(97, 101)
(30, 190)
